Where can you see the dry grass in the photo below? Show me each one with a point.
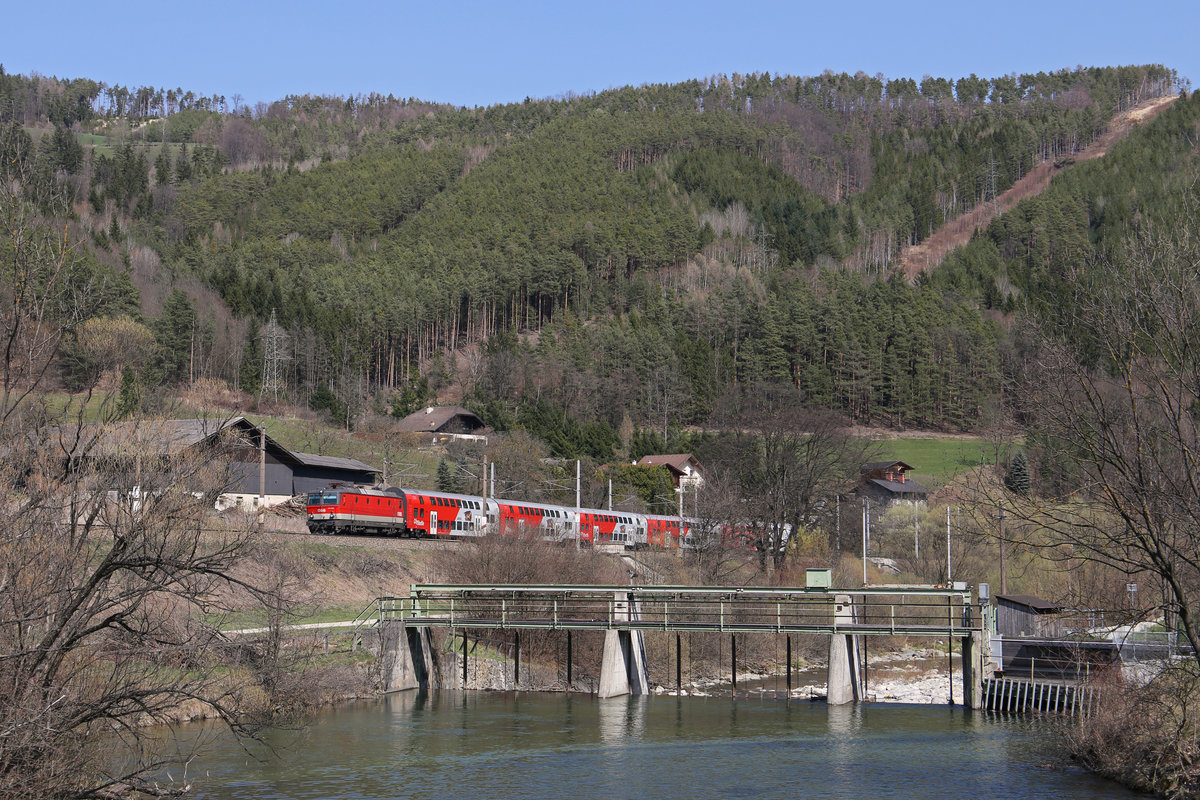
(1161, 752)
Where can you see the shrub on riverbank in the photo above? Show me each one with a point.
(1146, 737)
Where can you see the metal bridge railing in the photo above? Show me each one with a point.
(875, 611)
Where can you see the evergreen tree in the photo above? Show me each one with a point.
(174, 333)
(129, 400)
(65, 151)
(183, 165)
(162, 166)
(250, 374)
(445, 477)
(1017, 479)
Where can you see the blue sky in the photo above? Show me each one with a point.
(478, 53)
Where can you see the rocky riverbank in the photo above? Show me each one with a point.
(911, 675)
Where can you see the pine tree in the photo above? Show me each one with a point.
(129, 400)
(1017, 479)
(175, 333)
(461, 479)
(183, 165)
(445, 477)
(162, 166)
(250, 374)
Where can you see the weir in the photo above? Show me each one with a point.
(626, 613)
(1016, 695)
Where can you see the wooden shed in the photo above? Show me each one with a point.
(1023, 615)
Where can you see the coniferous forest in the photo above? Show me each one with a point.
(585, 265)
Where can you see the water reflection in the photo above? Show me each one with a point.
(622, 719)
(441, 745)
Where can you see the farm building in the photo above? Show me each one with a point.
(886, 482)
(233, 442)
(445, 423)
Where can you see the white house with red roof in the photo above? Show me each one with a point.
(684, 469)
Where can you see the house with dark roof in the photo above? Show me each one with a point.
(288, 473)
(237, 442)
(886, 482)
(684, 468)
(445, 423)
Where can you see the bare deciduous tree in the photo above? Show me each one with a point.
(107, 574)
(1116, 392)
(713, 548)
(794, 461)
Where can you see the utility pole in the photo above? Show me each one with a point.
(917, 531)
(864, 541)
(262, 476)
(947, 545)
(1003, 554)
(483, 490)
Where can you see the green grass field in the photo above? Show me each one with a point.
(96, 408)
(936, 460)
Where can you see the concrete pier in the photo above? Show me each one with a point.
(843, 680)
(976, 669)
(406, 657)
(623, 665)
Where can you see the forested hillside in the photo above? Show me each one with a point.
(584, 265)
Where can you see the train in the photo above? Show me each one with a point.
(443, 515)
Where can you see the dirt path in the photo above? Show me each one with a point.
(929, 253)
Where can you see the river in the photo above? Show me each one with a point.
(530, 745)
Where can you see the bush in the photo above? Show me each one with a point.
(1159, 753)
